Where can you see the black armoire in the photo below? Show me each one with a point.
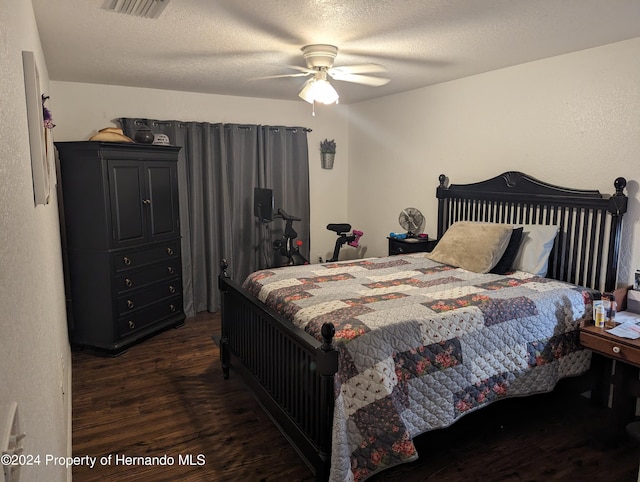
(121, 241)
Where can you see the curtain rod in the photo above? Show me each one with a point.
(240, 126)
(251, 126)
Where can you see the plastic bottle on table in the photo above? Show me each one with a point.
(599, 316)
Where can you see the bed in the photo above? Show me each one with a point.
(350, 388)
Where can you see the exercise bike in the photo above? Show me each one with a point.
(342, 230)
(286, 247)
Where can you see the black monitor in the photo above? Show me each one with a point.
(263, 204)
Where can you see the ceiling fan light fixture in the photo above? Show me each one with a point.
(319, 55)
(318, 90)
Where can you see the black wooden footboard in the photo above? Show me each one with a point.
(289, 371)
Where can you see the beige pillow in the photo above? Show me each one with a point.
(472, 246)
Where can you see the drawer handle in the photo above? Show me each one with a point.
(616, 349)
(172, 308)
(170, 269)
(146, 201)
(171, 289)
(132, 325)
(170, 251)
(126, 261)
(130, 304)
(128, 282)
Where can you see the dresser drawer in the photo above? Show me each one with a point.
(149, 295)
(137, 279)
(139, 319)
(617, 349)
(131, 259)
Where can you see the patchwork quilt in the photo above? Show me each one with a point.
(422, 344)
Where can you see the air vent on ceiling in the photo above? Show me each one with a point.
(136, 8)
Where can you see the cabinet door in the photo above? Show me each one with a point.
(128, 202)
(162, 195)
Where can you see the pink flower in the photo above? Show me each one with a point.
(404, 447)
(360, 474)
(463, 405)
(348, 333)
(500, 389)
(402, 375)
(376, 457)
(445, 359)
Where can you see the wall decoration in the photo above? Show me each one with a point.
(327, 153)
(40, 140)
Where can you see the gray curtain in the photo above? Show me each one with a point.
(219, 165)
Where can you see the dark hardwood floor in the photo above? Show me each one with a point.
(166, 397)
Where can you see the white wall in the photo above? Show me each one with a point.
(82, 109)
(34, 351)
(571, 120)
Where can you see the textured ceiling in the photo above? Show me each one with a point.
(225, 46)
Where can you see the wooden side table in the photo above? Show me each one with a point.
(608, 348)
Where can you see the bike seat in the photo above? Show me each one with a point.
(339, 228)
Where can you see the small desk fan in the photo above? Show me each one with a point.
(411, 220)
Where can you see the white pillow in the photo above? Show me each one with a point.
(535, 247)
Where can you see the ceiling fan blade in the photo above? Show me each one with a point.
(361, 68)
(358, 79)
(302, 69)
(302, 74)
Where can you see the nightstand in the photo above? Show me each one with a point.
(411, 245)
(608, 348)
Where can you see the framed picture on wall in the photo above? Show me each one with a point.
(38, 135)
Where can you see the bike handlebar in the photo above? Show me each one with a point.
(287, 217)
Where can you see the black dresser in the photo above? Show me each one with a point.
(121, 241)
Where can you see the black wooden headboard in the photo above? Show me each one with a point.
(586, 249)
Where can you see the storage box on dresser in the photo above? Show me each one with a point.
(121, 241)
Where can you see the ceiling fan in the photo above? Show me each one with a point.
(319, 59)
